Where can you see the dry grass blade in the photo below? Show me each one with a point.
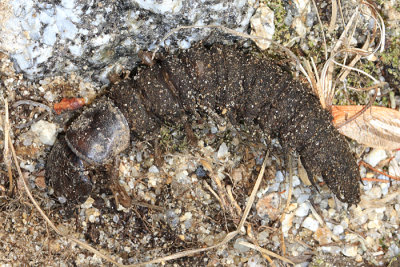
(327, 86)
(265, 251)
(6, 151)
(332, 24)
(322, 27)
(326, 73)
(377, 127)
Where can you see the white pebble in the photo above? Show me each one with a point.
(302, 210)
(46, 131)
(296, 181)
(310, 224)
(350, 251)
(302, 198)
(338, 229)
(222, 151)
(153, 169)
(239, 247)
(375, 156)
(279, 177)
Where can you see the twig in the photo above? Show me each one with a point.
(322, 27)
(7, 155)
(378, 171)
(263, 250)
(375, 180)
(33, 103)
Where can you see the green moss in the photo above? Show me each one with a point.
(173, 139)
(282, 32)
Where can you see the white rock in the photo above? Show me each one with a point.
(296, 181)
(160, 7)
(88, 203)
(375, 156)
(350, 251)
(262, 25)
(310, 224)
(287, 223)
(375, 192)
(46, 131)
(338, 229)
(299, 27)
(279, 177)
(302, 210)
(153, 169)
(222, 151)
(239, 247)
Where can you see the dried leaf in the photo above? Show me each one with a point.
(302, 173)
(377, 127)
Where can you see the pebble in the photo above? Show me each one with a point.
(239, 247)
(222, 151)
(350, 251)
(323, 235)
(375, 192)
(88, 203)
(287, 223)
(262, 25)
(302, 210)
(338, 229)
(279, 177)
(45, 131)
(269, 206)
(310, 224)
(375, 156)
(153, 169)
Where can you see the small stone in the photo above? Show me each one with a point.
(239, 247)
(350, 251)
(269, 206)
(92, 214)
(338, 229)
(287, 223)
(262, 25)
(45, 131)
(323, 235)
(310, 224)
(153, 169)
(302, 210)
(62, 200)
(222, 151)
(375, 192)
(88, 203)
(375, 156)
(40, 182)
(279, 177)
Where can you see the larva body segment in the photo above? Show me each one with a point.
(252, 90)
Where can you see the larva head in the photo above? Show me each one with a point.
(100, 133)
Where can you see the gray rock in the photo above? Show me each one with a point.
(46, 38)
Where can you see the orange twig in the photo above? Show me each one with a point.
(375, 180)
(379, 171)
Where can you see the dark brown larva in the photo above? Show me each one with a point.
(253, 91)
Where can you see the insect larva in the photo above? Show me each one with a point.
(250, 90)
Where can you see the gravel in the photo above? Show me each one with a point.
(160, 209)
